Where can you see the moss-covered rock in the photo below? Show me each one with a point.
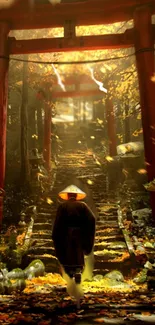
(141, 276)
(149, 245)
(98, 277)
(16, 274)
(34, 269)
(2, 288)
(19, 285)
(115, 275)
(7, 286)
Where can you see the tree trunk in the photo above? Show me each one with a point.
(47, 136)
(111, 127)
(25, 169)
(127, 136)
(32, 141)
(40, 128)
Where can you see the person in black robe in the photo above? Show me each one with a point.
(73, 232)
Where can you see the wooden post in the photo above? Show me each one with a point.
(144, 46)
(4, 30)
(111, 127)
(47, 135)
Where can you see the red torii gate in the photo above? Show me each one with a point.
(91, 12)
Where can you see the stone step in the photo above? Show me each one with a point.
(36, 250)
(107, 232)
(102, 256)
(110, 205)
(107, 218)
(47, 219)
(112, 265)
(45, 258)
(42, 234)
(109, 238)
(45, 214)
(110, 211)
(44, 242)
(42, 226)
(106, 215)
(101, 224)
(102, 246)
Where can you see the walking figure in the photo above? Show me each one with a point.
(73, 236)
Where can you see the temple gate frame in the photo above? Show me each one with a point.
(91, 12)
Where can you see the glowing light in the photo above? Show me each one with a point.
(108, 158)
(60, 83)
(89, 182)
(40, 175)
(48, 200)
(89, 153)
(98, 163)
(99, 121)
(99, 83)
(92, 137)
(153, 78)
(34, 136)
(142, 171)
(5, 4)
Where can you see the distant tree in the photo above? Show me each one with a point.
(25, 168)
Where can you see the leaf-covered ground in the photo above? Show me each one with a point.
(45, 301)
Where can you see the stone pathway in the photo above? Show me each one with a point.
(110, 248)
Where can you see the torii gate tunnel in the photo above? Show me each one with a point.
(89, 12)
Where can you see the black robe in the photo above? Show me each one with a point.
(73, 233)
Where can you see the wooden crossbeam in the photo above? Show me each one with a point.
(48, 45)
(91, 12)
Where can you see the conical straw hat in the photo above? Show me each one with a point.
(72, 189)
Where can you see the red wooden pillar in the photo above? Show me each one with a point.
(4, 30)
(111, 127)
(144, 46)
(47, 136)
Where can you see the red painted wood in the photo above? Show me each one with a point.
(73, 7)
(4, 30)
(111, 127)
(46, 21)
(98, 42)
(47, 136)
(20, 15)
(146, 68)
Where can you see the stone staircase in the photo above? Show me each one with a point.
(110, 249)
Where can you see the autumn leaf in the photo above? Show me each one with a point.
(89, 182)
(146, 313)
(99, 320)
